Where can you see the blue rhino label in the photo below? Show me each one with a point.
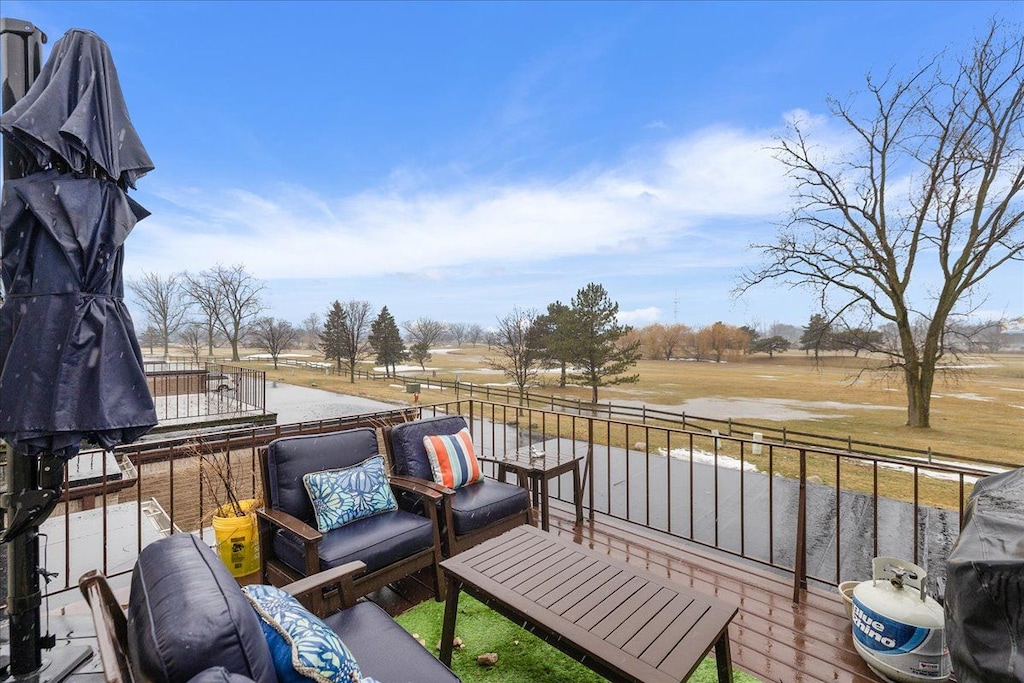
(915, 650)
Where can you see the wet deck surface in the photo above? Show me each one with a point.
(772, 638)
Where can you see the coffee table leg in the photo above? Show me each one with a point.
(723, 657)
(451, 609)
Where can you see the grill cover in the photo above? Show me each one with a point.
(985, 584)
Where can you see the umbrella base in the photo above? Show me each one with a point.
(58, 664)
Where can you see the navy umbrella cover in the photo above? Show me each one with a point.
(74, 115)
(71, 364)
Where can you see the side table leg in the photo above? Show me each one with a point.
(723, 658)
(451, 610)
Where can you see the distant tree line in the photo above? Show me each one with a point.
(200, 310)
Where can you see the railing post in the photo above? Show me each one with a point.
(590, 466)
(800, 560)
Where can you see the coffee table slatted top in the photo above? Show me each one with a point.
(636, 625)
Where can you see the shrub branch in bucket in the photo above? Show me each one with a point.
(218, 479)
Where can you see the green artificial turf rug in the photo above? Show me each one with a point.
(522, 656)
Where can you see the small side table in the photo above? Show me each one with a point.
(535, 469)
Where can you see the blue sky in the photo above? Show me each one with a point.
(456, 160)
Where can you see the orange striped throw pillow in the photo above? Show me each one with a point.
(452, 460)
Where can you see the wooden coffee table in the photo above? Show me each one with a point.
(624, 623)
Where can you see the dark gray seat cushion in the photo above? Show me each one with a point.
(477, 505)
(186, 613)
(384, 650)
(378, 541)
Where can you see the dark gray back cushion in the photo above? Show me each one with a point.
(186, 613)
(407, 443)
(289, 458)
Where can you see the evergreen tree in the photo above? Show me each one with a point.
(770, 345)
(556, 337)
(386, 340)
(817, 335)
(332, 336)
(599, 358)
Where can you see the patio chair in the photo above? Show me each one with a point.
(188, 621)
(298, 539)
(471, 513)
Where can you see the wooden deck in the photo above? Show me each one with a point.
(772, 638)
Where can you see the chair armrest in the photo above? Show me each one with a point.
(432, 491)
(111, 627)
(341, 575)
(293, 524)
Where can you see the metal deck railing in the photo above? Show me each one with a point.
(811, 514)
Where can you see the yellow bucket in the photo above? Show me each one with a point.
(238, 539)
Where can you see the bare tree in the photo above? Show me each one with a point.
(720, 340)
(202, 293)
(231, 297)
(150, 337)
(517, 342)
(458, 332)
(192, 338)
(355, 333)
(311, 327)
(663, 342)
(163, 301)
(273, 335)
(904, 224)
(422, 333)
(475, 333)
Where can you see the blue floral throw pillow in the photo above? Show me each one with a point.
(303, 647)
(345, 495)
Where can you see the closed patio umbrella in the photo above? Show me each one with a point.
(70, 364)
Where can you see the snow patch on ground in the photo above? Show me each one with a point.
(405, 368)
(703, 457)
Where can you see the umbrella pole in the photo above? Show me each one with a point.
(23, 596)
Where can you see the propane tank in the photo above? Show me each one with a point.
(897, 629)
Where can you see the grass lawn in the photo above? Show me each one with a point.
(522, 656)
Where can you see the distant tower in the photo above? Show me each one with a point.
(675, 307)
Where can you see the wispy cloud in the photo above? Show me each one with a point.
(640, 317)
(644, 203)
